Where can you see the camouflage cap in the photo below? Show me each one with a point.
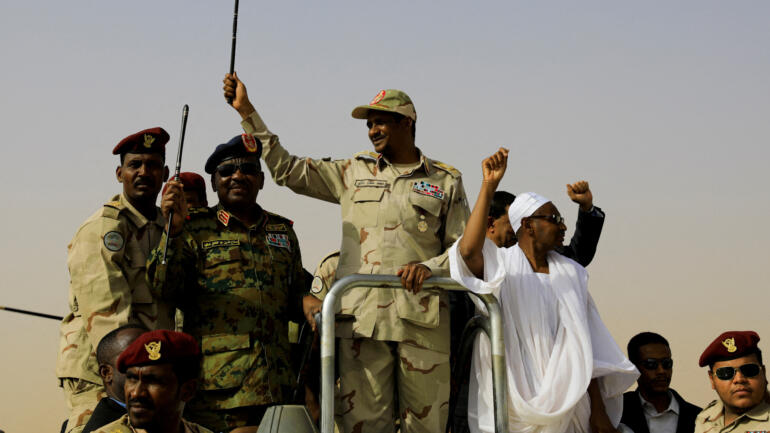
(391, 100)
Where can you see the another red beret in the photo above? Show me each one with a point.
(191, 181)
(159, 347)
(729, 345)
(149, 140)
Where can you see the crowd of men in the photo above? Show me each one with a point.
(189, 331)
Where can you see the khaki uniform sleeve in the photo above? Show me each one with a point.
(315, 178)
(454, 225)
(97, 280)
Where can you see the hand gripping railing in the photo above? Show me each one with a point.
(331, 302)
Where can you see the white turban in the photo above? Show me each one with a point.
(525, 205)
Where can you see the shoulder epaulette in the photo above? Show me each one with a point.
(328, 256)
(367, 155)
(279, 217)
(447, 168)
(112, 209)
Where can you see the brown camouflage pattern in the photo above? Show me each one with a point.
(369, 371)
(108, 289)
(238, 293)
(382, 217)
(123, 425)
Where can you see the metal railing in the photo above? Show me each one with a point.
(330, 304)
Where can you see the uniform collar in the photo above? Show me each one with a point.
(760, 412)
(136, 217)
(225, 218)
(425, 162)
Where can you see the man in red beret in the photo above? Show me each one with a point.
(106, 261)
(194, 190)
(738, 376)
(161, 369)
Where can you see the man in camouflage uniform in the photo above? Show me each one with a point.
(400, 211)
(106, 261)
(236, 272)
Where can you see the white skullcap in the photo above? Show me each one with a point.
(525, 205)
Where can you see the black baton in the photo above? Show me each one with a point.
(31, 313)
(185, 112)
(232, 49)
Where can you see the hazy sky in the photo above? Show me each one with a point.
(662, 106)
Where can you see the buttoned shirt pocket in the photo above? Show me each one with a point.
(366, 205)
(227, 360)
(425, 220)
(222, 266)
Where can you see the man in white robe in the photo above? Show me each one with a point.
(564, 371)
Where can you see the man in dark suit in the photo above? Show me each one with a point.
(654, 407)
(109, 348)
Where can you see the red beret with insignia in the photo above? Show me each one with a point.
(159, 347)
(151, 140)
(729, 345)
(191, 181)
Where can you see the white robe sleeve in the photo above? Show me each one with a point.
(494, 269)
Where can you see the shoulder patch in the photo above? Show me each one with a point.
(113, 241)
(367, 155)
(447, 168)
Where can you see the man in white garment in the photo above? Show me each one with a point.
(564, 371)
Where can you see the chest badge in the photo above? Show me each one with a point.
(425, 188)
(422, 226)
(279, 240)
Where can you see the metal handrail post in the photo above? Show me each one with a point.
(330, 303)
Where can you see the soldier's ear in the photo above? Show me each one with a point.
(119, 173)
(105, 371)
(165, 173)
(187, 390)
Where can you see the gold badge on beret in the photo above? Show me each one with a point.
(153, 350)
(148, 140)
(729, 343)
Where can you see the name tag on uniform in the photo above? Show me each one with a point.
(371, 183)
(279, 240)
(275, 227)
(425, 188)
(207, 245)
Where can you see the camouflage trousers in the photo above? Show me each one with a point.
(384, 380)
(82, 397)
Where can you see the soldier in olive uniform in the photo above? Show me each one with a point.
(739, 377)
(400, 211)
(106, 261)
(236, 272)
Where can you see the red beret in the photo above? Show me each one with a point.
(191, 181)
(159, 347)
(730, 345)
(150, 140)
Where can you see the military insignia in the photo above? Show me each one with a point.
(153, 350)
(207, 245)
(425, 188)
(148, 140)
(113, 241)
(729, 344)
(317, 286)
(275, 227)
(249, 142)
(422, 226)
(380, 96)
(223, 217)
(278, 240)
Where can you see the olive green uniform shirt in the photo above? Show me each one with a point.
(108, 287)
(238, 287)
(389, 219)
(711, 419)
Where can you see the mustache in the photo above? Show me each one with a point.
(144, 402)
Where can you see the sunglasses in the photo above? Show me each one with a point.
(556, 219)
(652, 363)
(747, 370)
(247, 168)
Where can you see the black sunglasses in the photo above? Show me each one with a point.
(652, 363)
(747, 370)
(556, 219)
(247, 168)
